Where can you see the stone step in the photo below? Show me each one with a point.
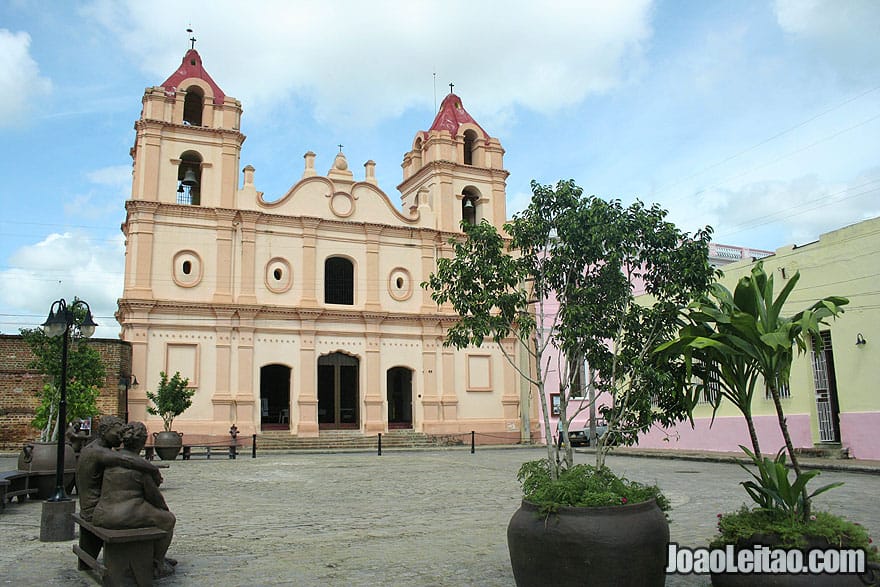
(341, 439)
(825, 450)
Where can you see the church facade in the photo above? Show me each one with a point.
(304, 311)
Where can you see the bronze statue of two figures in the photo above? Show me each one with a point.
(119, 489)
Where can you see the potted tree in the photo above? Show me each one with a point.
(170, 399)
(86, 374)
(739, 340)
(562, 281)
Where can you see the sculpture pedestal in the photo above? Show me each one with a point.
(56, 523)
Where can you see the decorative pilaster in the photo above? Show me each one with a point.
(374, 402)
(448, 396)
(372, 233)
(307, 401)
(139, 229)
(310, 267)
(248, 228)
(223, 270)
(431, 415)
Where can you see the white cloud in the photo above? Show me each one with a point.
(843, 34)
(361, 62)
(797, 211)
(20, 79)
(65, 266)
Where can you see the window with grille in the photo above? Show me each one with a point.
(712, 388)
(338, 281)
(784, 391)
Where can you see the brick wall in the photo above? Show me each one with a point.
(19, 386)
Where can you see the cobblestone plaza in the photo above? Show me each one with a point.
(419, 518)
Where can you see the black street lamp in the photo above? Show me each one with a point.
(61, 318)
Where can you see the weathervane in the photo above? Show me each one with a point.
(192, 39)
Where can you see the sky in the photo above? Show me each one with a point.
(760, 118)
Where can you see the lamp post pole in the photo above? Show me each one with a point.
(60, 494)
(56, 523)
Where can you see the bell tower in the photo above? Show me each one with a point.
(188, 141)
(456, 169)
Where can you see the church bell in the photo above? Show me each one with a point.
(189, 178)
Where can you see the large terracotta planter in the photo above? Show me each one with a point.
(781, 580)
(40, 460)
(168, 444)
(616, 546)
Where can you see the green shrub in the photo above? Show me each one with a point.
(582, 486)
(739, 527)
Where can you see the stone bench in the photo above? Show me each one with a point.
(15, 484)
(124, 550)
(231, 450)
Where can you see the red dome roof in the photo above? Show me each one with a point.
(452, 115)
(190, 67)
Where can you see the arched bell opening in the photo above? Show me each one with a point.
(193, 105)
(470, 201)
(189, 179)
(470, 141)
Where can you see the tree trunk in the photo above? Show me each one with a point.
(752, 433)
(789, 447)
(548, 438)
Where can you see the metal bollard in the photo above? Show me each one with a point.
(380, 444)
(254, 446)
(472, 442)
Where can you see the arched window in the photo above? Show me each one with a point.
(338, 281)
(469, 202)
(189, 179)
(470, 139)
(192, 106)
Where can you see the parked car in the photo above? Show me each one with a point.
(581, 436)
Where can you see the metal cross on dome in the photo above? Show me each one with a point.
(192, 39)
(451, 85)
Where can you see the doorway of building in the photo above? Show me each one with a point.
(399, 387)
(275, 397)
(338, 395)
(827, 406)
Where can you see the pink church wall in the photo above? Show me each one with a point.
(726, 434)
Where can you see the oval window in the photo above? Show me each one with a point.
(278, 275)
(187, 267)
(400, 284)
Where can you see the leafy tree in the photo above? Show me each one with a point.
(747, 331)
(171, 398)
(85, 374)
(589, 254)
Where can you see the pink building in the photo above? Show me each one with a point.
(578, 409)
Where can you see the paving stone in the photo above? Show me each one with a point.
(420, 518)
